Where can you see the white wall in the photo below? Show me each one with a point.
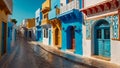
(63, 2)
(46, 40)
(115, 51)
(86, 43)
(91, 2)
(37, 13)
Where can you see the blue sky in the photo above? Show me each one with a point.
(23, 9)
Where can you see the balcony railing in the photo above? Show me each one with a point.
(72, 5)
(7, 5)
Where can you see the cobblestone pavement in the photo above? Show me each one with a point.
(24, 57)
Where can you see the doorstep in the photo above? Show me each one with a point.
(92, 61)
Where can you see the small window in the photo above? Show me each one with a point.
(106, 34)
(46, 33)
(37, 19)
(55, 6)
(61, 4)
(99, 34)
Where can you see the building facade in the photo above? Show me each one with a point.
(101, 36)
(30, 25)
(71, 20)
(38, 18)
(9, 40)
(55, 23)
(45, 23)
(5, 11)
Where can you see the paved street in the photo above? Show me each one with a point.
(24, 57)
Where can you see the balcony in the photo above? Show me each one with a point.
(45, 21)
(7, 6)
(53, 13)
(46, 6)
(72, 5)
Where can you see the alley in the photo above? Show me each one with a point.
(24, 57)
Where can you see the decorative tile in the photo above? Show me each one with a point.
(115, 27)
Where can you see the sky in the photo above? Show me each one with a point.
(23, 9)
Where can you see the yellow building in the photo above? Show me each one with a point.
(30, 23)
(56, 32)
(45, 10)
(5, 11)
(45, 23)
(55, 22)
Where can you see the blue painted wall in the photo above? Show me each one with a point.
(39, 36)
(68, 19)
(39, 29)
(54, 4)
(10, 25)
(38, 19)
(49, 37)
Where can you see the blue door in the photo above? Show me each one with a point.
(39, 35)
(49, 37)
(102, 40)
(4, 28)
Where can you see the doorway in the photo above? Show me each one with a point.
(4, 38)
(71, 37)
(30, 34)
(56, 36)
(102, 39)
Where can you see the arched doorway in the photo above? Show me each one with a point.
(102, 38)
(71, 37)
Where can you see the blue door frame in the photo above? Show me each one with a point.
(49, 37)
(102, 40)
(39, 36)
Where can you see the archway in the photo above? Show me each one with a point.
(102, 38)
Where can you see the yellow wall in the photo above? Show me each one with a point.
(45, 9)
(30, 23)
(46, 4)
(56, 25)
(3, 18)
(0, 38)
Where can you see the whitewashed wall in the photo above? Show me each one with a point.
(63, 2)
(88, 3)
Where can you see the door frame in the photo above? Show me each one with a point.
(94, 28)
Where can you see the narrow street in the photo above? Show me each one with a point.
(23, 56)
(26, 55)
